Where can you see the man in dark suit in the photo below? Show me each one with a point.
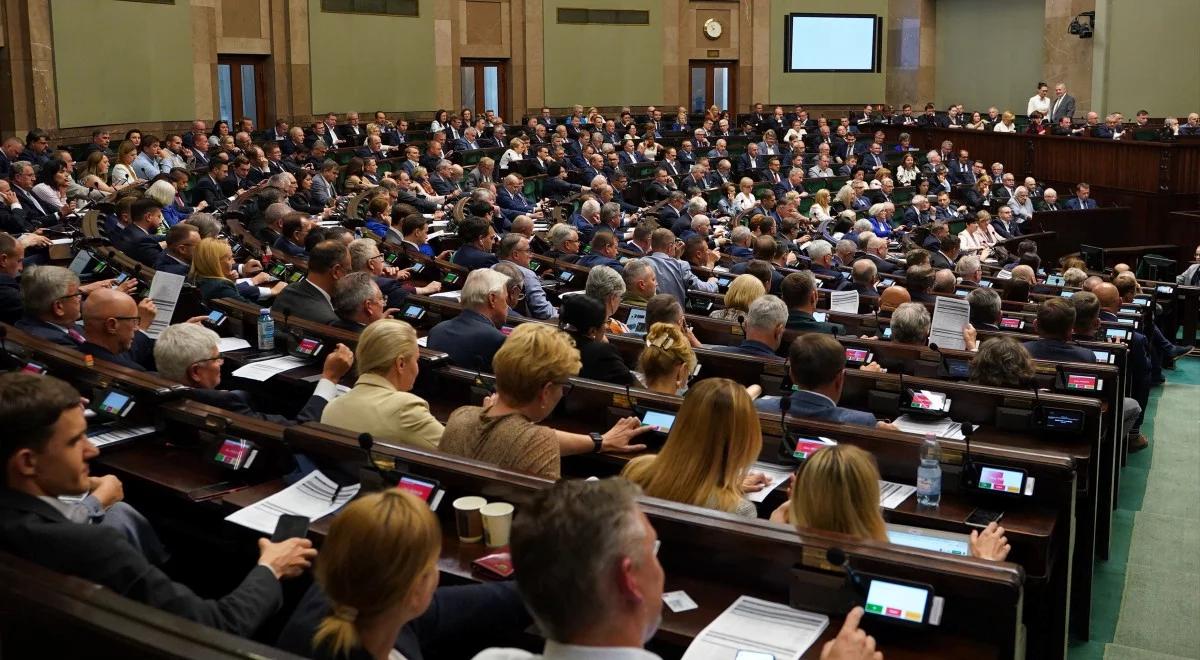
(472, 338)
(1082, 199)
(141, 240)
(1063, 104)
(876, 251)
(477, 238)
(764, 324)
(1049, 201)
(509, 197)
(817, 363)
(749, 163)
(177, 258)
(189, 354)
(37, 212)
(52, 299)
(1054, 325)
(45, 452)
(799, 292)
(946, 253)
(310, 299)
(931, 119)
(114, 329)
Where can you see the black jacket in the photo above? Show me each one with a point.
(237, 401)
(36, 531)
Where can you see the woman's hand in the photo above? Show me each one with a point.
(990, 544)
(617, 439)
(754, 482)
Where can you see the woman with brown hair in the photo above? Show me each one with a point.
(709, 451)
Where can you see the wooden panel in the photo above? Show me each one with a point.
(484, 24)
(240, 18)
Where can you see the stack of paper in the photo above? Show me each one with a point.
(264, 369)
(164, 291)
(315, 496)
(950, 316)
(892, 494)
(757, 626)
(844, 302)
(116, 435)
(942, 428)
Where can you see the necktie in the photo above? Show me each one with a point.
(75, 336)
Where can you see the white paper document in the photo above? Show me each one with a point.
(950, 316)
(164, 291)
(452, 295)
(312, 497)
(227, 344)
(423, 342)
(891, 494)
(265, 369)
(758, 626)
(942, 428)
(119, 434)
(1004, 274)
(778, 475)
(844, 302)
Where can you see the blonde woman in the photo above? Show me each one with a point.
(122, 173)
(212, 272)
(668, 361)
(978, 236)
(821, 209)
(709, 451)
(880, 174)
(379, 571)
(1006, 123)
(744, 290)
(745, 198)
(533, 371)
(838, 491)
(381, 403)
(515, 152)
(845, 198)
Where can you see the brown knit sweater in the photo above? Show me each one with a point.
(511, 442)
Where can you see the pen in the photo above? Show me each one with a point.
(336, 491)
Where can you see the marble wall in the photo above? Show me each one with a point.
(912, 30)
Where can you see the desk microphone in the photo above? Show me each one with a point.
(837, 557)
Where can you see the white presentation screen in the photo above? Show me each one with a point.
(832, 42)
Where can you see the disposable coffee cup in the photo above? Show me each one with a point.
(497, 523)
(467, 518)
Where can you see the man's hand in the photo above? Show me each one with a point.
(851, 642)
(338, 363)
(146, 311)
(107, 489)
(886, 426)
(969, 334)
(990, 544)
(9, 197)
(260, 279)
(33, 240)
(445, 255)
(874, 366)
(288, 558)
(432, 287)
(197, 319)
(67, 209)
(202, 205)
(617, 439)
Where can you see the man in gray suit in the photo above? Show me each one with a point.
(311, 298)
(1063, 105)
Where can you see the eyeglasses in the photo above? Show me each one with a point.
(517, 294)
(211, 359)
(565, 385)
(77, 294)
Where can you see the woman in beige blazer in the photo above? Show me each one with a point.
(380, 403)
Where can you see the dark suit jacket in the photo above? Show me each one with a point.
(211, 288)
(1059, 351)
(37, 212)
(305, 301)
(139, 357)
(471, 257)
(804, 321)
(10, 299)
(237, 401)
(469, 339)
(491, 610)
(170, 264)
(939, 260)
(1076, 204)
(751, 348)
(36, 531)
(47, 331)
(207, 190)
(601, 361)
(141, 246)
(1064, 109)
(882, 265)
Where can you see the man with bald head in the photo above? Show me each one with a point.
(891, 298)
(114, 329)
(1139, 348)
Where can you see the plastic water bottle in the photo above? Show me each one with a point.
(929, 473)
(266, 330)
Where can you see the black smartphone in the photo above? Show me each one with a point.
(290, 527)
(981, 518)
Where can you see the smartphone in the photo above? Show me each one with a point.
(290, 527)
(121, 278)
(982, 517)
(215, 318)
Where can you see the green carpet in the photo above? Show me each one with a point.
(1146, 597)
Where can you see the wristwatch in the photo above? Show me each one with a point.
(597, 440)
